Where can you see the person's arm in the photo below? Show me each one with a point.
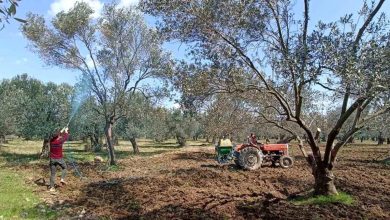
(65, 134)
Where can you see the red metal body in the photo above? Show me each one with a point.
(269, 148)
(266, 148)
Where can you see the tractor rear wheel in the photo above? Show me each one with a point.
(286, 161)
(250, 158)
(237, 162)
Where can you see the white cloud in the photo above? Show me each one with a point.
(65, 5)
(176, 106)
(21, 61)
(126, 3)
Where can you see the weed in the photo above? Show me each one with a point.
(342, 198)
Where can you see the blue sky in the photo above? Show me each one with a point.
(16, 58)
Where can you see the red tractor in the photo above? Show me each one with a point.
(250, 157)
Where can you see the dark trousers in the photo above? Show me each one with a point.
(53, 167)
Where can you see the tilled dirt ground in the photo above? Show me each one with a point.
(189, 184)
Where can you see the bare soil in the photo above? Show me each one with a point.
(187, 183)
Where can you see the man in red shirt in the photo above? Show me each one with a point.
(56, 157)
(253, 140)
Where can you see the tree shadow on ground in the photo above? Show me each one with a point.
(176, 211)
(120, 198)
(367, 161)
(126, 154)
(226, 166)
(197, 156)
(14, 159)
(171, 145)
(82, 155)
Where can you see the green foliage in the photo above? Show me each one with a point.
(34, 109)
(18, 201)
(342, 198)
(8, 10)
(136, 122)
(69, 23)
(115, 53)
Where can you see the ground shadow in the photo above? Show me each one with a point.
(197, 156)
(161, 145)
(119, 198)
(177, 211)
(13, 159)
(226, 166)
(367, 161)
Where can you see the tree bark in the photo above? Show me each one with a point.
(2, 139)
(324, 182)
(115, 141)
(381, 141)
(45, 148)
(181, 140)
(214, 139)
(110, 146)
(135, 145)
(95, 142)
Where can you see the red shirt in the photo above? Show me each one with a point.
(253, 140)
(56, 146)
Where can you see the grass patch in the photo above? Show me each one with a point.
(342, 198)
(114, 168)
(386, 161)
(18, 201)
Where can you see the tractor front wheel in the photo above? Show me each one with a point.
(250, 158)
(286, 161)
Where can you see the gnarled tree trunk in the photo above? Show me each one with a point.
(95, 143)
(45, 148)
(324, 182)
(135, 145)
(181, 141)
(110, 145)
(2, 139)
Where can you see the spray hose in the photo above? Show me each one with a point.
(72, 161)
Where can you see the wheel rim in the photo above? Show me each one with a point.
(286, 162)
(251, 160)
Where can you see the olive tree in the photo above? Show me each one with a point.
(262, 46)
(8, 10)
(32, 109)
(117, 53)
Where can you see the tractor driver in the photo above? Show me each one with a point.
(252, 140)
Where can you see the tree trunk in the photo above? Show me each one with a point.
(381, 140)
(324, 182)
(2, 139)
(95, 142)
(135, 145)
(388, 140)
(45, 148)
(115, 141)
(181, 140)
(110, 146)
